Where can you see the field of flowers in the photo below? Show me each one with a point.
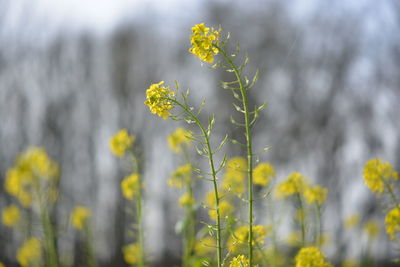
(233, 235)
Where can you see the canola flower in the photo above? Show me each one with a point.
(376, 173)
(235, 176)
(121, 142)
(315, 194)
(179, 139)
(239, 261)
(371, 228)
(351, 221)
(294, 184)
(130, 186)
(11, 215)
(311, 257)
(157, 99)
(205, 246)
(203, 41)
(263, 173)
(79, 217)
(225, 207)
(181, 176)
(132, 253)
(186, 200)
(30, 253)
(240, 236)
(392, 222)
(293, 239)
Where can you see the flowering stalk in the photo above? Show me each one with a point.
(302, 223)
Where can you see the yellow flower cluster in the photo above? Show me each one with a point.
(235, 176)
(121, 142)
(376, 172)
(157, 99)
(294, 184)
(130, 186)
(204, 41)
(181, 176)
(205, 246)
(311, 257)
(79, 217)
(315, 194)
(263, 173)
(241, 235)
(351, 221)
(392, 222)
(178, 139)
(186, 200)
(24, 177)
(239, 261)
(11, 215)
(30, 253)
(371, 228)
(225, 207)
(131, 253)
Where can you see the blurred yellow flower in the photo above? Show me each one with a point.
(239, 261)
(205, 246)
(186, 200)
(294, 184)
(2, 264)
(349, 263)
(315, 194)
(30, 253)
(392, 222)
(11, 215)
(263, 173)
(203, 41)
(225, 209)
(351, 221)
(235, 176)
(121, 142)
(157, 99)
(311, 257)
(181, 176)
(375, 172)
(79, 217)
(240, 236)
(36, 162)
(130, 186)
(131, 253)
(293, 239)
(179, 139)
(371, 228)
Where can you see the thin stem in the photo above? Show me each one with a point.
(319, 225)
(214, 177)
(302, 223)
(391, 193)
(249, 152)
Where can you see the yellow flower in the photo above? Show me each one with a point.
(371, 228)
(239, 261)
(351, 221)
(263, 173)
(235, 176)
(181, 176)
(186, 200)
(11, 215)
(2, 264)
(36, 162)
(131, 253)
(375, 172)
(79, 217)
(30, 253)
(157, 99)
(311, 257)
(293, 239)
(203, 41)
(130, 186)
(315, 194)
(392, 222)
(241, 235)
(225, 209)
(294, 184)
(121, 142)
(205, 246)
(349, 263)
(178, 139)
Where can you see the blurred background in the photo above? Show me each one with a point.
(72, 73)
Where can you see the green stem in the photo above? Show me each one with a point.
(249, 152)
(391, 193)
(214, 177)
(302, 223)
(140, 228)
(91, 260)
(319, 225)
